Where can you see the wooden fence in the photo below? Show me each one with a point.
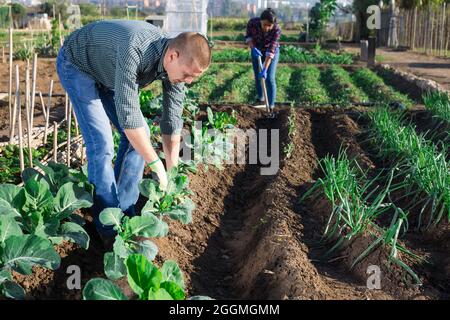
(425, 30)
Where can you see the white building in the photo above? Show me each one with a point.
(30, 3)
(186, 15)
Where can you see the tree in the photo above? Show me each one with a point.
(118, 12)
(232, 9)
(18, 12)
(88, 9)
(60, 8)
(320, 15)
(285, 13)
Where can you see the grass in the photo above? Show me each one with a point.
(438, 103)
(376, 89)
(340, 88)
(356, 205)
(305, 86)
(283, 76)
(242, 89)
(422, 167)
(288, 54)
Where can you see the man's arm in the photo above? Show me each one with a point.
(127, 102)
(171, 122)
(171, 146)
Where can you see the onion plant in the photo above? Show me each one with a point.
(421, 165)
(357, 202)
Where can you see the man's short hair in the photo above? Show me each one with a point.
(193, 47)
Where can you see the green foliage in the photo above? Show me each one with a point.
(210, 147)
(231, 55)
(356, 205)
(10, 164)
(305, 86)
(376, 89)
(292, 54)
(146, 280)
(288, 54)
(423, 168)
(88, 9)
(19, 253)
(438, 103)
(226, 24)
(221, 120)
(46, 215)
(24, 52)
(320, 15)
(174, 203)
(241, 37)
(340, 87)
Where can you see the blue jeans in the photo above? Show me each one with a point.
(115, 187)
(271, 84)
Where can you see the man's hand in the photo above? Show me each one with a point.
(158, 168)
(141, 143)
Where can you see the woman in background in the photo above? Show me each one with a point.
(262, 36)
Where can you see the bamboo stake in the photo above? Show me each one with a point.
(27, 114)
(48, 111)
(11, 116)
(55, 141)
(66, 106)
(43, 106)
(19, 115)
(77, 131)
(59, 30)
(82, 153)
(3, 55)
(33, 90)
(16, 103)
(69, 121)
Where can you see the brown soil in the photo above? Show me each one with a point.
(250, 239)
(428, 67)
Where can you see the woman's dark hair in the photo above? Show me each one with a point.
(269, 15)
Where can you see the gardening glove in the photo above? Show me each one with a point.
(263, 73)
(256, 52)
(158, 168)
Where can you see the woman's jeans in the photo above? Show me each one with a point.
(94, 108)
(271, 84)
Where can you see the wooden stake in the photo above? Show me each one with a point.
(44, 112)
(16, 103)
(11, 116)
(33, 89)
(82, 153)
(48, 111)
(55, 141)
(69, 121)
(59, 29)
(66, 106)
(27, 113)
(77, 131)
(19, 115)
(3, 55)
